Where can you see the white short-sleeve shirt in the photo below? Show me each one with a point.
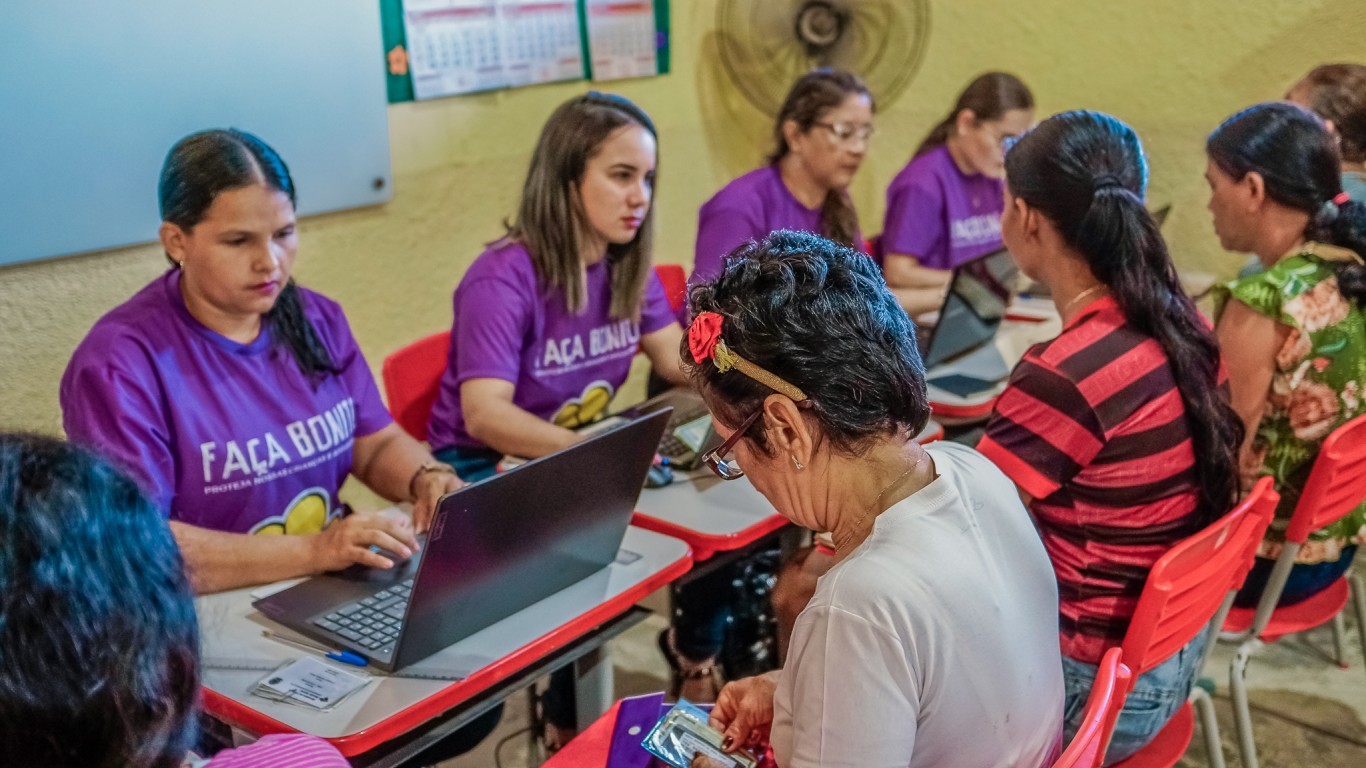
(935, 642)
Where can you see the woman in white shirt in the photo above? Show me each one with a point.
(933, 640)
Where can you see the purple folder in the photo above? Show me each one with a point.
(635, 717)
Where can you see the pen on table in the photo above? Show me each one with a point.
(345, 657)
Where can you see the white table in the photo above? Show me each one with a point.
(392, 706)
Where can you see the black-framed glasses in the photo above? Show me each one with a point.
(845, 133)
(729, 469)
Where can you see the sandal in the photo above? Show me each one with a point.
(697, 681)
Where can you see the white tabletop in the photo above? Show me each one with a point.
(231, 632)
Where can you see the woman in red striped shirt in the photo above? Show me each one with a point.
(1100, 427)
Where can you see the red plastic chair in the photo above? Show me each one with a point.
(1336, 485)
(675, 282)
(1108, 692)
(411, 378)
(1189, 591)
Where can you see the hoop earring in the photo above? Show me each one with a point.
(796, 463)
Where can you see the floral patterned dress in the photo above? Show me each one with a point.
(1319, 384)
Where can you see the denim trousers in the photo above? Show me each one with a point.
(1157, 695)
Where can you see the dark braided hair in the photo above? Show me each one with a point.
(819, 315)
(200, 167)
(1298, 160)
(1087, 173)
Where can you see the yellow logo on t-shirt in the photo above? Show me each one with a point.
(309, 512)
(586, 408)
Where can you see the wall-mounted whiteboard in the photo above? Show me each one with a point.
(93, 93)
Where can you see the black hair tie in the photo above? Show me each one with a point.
(1106, 181)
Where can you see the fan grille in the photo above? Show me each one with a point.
(765, 45)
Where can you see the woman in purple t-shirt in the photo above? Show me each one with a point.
(945, 206)
(239, 400)
(821, 135)
(548, 319)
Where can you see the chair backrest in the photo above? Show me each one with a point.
(1108, 692)
(411, 378)
(1192, 585)
(1336, 484)
(675, 282)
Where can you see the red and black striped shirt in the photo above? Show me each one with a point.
(1093, 427)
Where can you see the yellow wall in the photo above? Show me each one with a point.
(1172, 68)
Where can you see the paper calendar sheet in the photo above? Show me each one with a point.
(621, 39)
(459, 46)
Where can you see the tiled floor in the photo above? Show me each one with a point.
(1307, 711)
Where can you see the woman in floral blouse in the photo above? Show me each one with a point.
(1294, 335)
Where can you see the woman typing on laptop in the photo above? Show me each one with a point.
(548, 318)
(239, 400)
(944, 207)
(1100, 427)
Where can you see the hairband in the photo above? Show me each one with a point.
(705, 343)
(1106, 181)
(1341, 199)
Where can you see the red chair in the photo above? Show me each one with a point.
(1108, 692)
(411, 378)
(1336, 486)
(1189, 591)
(675, 282)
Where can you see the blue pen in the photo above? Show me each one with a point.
(345, 657)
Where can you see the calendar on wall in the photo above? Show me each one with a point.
(436, 48)
(621, 39)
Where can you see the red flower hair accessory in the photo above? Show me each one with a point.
(703, 335)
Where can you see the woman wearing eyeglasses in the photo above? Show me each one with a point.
(821, 135)
(940, 590)
(945, 206)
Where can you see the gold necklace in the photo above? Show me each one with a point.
(1084, 294)
(877, 503)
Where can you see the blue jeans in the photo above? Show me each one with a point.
(1157, 695)
(1305, 581)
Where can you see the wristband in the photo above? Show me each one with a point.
(428, 466)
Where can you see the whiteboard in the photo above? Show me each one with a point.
(93, 94)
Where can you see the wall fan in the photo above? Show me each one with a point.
(765, 45)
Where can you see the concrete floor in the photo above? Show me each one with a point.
(1307, 711)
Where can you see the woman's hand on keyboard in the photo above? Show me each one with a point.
(349, 540)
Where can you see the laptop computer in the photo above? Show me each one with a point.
(980, 291)
(689, 433)
(495, 547)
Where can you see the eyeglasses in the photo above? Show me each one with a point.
(847, 133)
(729, 469)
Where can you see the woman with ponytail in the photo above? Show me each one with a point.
(1293, 335)
(1100, 427)
(238, 400)
(820, 137)
(944, 207)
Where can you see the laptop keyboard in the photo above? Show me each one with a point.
(372, 622)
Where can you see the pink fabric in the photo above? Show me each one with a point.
(293, 750)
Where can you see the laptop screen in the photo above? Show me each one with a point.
(979, 293)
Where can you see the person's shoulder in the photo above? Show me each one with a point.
(969, 469)
(504, 259)
(743, 191)
(144, 322)
(923, 174)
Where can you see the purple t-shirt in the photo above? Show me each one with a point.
(226, 436)
(747, 209)
(564, 367)
(941, 216)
